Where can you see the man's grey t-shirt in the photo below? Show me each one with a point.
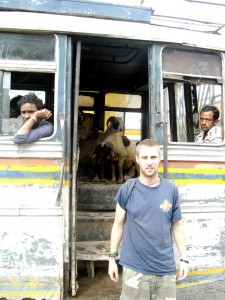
(147, 244)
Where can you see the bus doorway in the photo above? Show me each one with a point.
(113, 83)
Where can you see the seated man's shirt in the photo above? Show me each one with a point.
(44, 129)
(213, 136)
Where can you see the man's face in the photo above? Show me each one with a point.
(207, 121)
(148, 161)
(27, 110)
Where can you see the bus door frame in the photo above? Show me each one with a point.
(74, 167)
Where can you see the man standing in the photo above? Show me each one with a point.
(147, 218)
(35, 124)
(210, 133)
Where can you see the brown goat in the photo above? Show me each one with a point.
(119, 154)
(85, 125)
(89, 138)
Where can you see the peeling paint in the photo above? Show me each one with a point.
(31, 257)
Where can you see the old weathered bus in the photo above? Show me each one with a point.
(108, 60)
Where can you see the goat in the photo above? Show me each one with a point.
(119, 154)
(89, 139)
(85, 125)
(115, 124)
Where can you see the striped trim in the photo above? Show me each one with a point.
(201, 277)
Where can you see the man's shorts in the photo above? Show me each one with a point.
(139, 286)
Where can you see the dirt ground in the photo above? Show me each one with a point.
(102, 288)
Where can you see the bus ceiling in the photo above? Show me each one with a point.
(113, 64)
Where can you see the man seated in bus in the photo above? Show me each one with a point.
(34, 116)
(210, 132)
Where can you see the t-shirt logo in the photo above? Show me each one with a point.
(165, 206)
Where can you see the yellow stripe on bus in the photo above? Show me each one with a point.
(30, 168)
(194, 170)
(30, 294)
(210, 271)
(198, 181)
(185, 285)
(29, 181)
(197, 273)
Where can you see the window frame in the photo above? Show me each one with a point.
(180, 77)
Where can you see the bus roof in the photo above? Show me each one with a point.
(82, 8)
(195, 23)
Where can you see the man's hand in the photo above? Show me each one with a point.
(183, 271)
(42, 114)
(113, 270)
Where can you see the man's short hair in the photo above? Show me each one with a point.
(213, 109)
(31, 98)
(148, 143)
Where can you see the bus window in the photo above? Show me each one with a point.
(14, 86)
(133, 126)
(191, 80)
(14, 46)
(27, 64)
(123, 100)
(86, 101)
(128, 108)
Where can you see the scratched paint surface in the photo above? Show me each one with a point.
(31, 257)
(29, 182)
(202, 195)
(31, 247)
(205, 237)
(31, 252)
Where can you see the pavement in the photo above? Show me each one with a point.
(102, 288)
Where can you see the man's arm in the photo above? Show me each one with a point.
(37, 116)
(116, 237)
(179, 236)
(44, 130)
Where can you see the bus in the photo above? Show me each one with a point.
(107, 60)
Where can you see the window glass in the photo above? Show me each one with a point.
(181, 61)
(133, 126)
(86, 101)
(27, 47)
(123, 100)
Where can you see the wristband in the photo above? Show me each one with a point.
(184, 260)
(113, 255)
